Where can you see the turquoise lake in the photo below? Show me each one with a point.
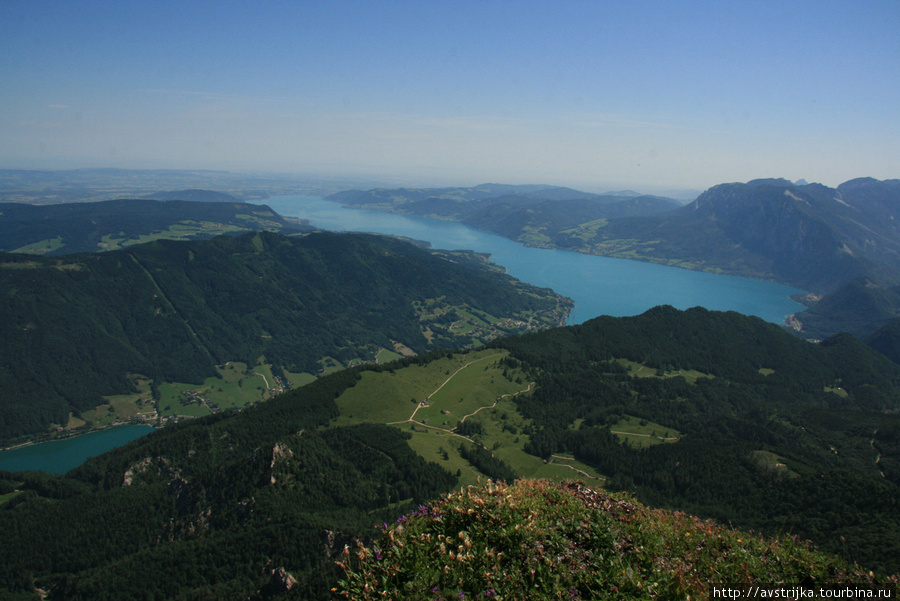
(59, 456)
(598, 285)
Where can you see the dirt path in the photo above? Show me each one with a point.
(571, 467)
(878, 458)
(411, 419)
(643, 435)
(511, 394)
(264, 379)
(436, 390)
(174, 309)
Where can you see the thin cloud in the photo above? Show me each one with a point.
(193, 93)
(617, 120)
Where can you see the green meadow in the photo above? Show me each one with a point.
(642, 371)
(641, 433)
(119, 407)
(41, 247)
(473, 392)
(237, 386)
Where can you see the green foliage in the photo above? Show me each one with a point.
(485, 462)
(859, 307)
(825, 438)
(537, 541)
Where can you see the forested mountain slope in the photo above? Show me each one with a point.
(776, 432)
(531, 214)
(96, 226)
(76, 327)
(718, 414)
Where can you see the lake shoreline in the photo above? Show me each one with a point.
(69, 434)
(47, 457)
(599, 284)
(666, 262)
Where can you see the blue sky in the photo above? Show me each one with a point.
(596, 95)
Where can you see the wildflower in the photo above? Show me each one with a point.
(401, 519)
(461, 595)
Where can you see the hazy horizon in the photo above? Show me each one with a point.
(649, 96)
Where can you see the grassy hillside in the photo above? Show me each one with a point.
(539, 541)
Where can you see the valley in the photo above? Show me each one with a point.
(183, 314)
(307, 386)
(449, 301)
(725, 416)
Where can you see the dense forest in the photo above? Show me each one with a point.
(775, 434)
(781, 434)
(75, 327)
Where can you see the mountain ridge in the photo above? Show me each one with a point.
(174, 310)
(810, 236)
(105, 225)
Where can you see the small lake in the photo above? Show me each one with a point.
(598, 285)
(60, 456)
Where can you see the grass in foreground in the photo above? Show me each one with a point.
(537, 540)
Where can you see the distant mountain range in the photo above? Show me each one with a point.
(806, 235)
(526, 213)
(194, 195)
(809, 236)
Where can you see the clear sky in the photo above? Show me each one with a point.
(594, 94)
